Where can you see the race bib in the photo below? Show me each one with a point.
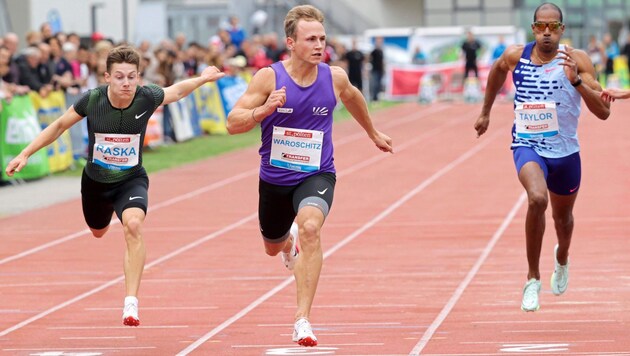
(536, 120)
(296, 149)
(116, 151)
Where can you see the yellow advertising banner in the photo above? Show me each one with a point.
(48, 109)
(212, 116)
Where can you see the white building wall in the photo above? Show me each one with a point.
(390, 13)
(76, 16)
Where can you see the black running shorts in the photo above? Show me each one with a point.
(278, 204)
(101, 200)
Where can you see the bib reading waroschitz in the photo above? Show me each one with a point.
(296, 149)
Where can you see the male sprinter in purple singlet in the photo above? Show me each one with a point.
(293, 101)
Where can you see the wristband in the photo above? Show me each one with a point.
(253, 118)
(577, 82)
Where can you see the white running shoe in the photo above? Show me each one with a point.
(560, 276)
(290, 258)
(530, 295)
(130, 312)
(303, 333)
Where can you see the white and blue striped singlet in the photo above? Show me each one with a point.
(548, 83)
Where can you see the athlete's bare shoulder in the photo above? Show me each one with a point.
(510, 57)
(264, 81)
(513, 53)
(340, 79)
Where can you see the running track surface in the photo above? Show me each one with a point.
(424, 254)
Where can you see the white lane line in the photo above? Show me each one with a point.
(153, 308)
(96, 337)
(462, 158)
(405, 119)
(565, 321)
(84, 348)
(535, 341)
(306, 350)
(377, 305)
(333, 324)
(471, 274)
(166, 257)
(116, 327)
(157, 206)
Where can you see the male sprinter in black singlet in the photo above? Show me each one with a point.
(114, 179)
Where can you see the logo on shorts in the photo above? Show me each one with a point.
(136, 197)
(323, 191)
(284, 110)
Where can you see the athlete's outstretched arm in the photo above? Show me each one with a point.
(259, 101)
(185, 87)
(578, 65)
(45, 138)
(357, 107)
(496, 79)
(610, 94)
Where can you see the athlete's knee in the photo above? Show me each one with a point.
(537, 201)
(310, 231)
(563, 219)
(133, 226)
(272, 248)
(98, 233)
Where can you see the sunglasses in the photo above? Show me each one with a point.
(541, 26)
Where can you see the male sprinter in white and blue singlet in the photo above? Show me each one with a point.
(551, 80)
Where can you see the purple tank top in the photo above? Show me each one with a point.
(307, 108)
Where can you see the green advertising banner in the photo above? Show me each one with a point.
(18, 127)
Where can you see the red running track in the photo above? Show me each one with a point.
(424, 255)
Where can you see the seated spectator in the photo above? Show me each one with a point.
(11, 42)
(30, 75)
(7, 89)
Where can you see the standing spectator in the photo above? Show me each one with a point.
(595, 52)
(355, 59)
(470, 47)
(418, 56)
(237, 33)
(190, 60)
(272, 48)
(46, 63)
(626, 51)
(46, 30)
(180, 41)
(498, 49)
(611, 51)
(33, 38)
(377, 60)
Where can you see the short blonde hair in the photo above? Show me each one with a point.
(302, 12)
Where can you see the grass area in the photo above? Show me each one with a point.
(170, 156)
